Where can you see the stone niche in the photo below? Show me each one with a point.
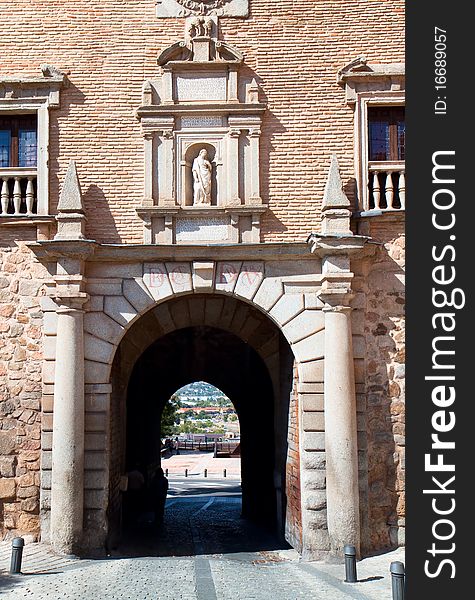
(201, 122)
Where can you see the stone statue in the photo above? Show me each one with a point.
(202, 178)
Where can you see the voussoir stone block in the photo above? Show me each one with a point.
(119, 309)
(303, 325)
(227, 274)
(197, 311)
(287, 307)
(97, 349)
(102, 326)
(180, 278)
(213, 310)
(269, 293)
(164, 318)
(156, 280)
(138, 294)
(96, 372)
(249, 279)
(310, 348)
(203, 276)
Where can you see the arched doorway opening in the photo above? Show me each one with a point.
(246, 357)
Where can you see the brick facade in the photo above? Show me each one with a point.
(294, 49)
(107, 49)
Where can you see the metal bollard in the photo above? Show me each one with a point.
(186, 472)
(398, 580)
(224, 472)
(350, 564)
(206, 472)
(17, 555)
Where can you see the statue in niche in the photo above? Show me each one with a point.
(201, 170)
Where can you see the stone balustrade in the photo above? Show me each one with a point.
(386, 186)
(18, 192)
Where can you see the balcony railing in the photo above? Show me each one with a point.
(386, 186)
(18, 192)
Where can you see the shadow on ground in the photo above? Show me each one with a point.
(194, 526)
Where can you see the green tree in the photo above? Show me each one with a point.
(170, 418)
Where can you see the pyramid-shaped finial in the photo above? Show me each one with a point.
(334, 196)
(70, 218)
(71, 197)
(336, 206)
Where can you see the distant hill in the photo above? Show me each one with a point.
(200, 393)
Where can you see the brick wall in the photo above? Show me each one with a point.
(108, 48)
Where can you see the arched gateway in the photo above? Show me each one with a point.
(273, 325)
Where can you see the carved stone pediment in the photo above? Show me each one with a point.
(200, 45)
(201, 122)
(360, 76)
(34, 89)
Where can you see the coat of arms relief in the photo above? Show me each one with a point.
(189, 8)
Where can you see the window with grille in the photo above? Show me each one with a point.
(386, 133)
(18, 141)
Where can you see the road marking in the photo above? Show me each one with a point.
(205, 506)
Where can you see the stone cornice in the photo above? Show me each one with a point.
(199, 211)
(209, 108)
(33, 90)
(48, 251)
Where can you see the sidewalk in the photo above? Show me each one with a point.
(197, 462)
(275, 575)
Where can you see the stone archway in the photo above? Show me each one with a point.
(235, 347)
(292, 295)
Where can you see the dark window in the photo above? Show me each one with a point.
(18, 141)
(386, 133)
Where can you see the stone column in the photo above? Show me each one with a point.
(67, 484)
(340, 430)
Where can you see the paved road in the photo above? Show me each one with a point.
(204, 551)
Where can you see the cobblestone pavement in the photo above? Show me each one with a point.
(204, 551)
